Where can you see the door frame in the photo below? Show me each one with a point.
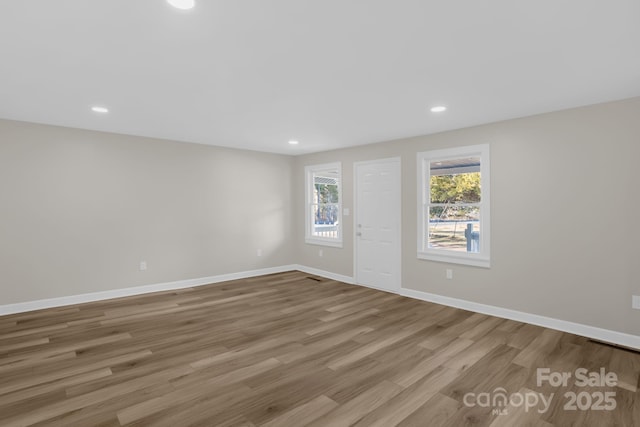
(398, 249)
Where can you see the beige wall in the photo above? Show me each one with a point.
(565, 215)
(79, 210)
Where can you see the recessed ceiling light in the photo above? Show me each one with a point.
(98, 109)
(293, 142)
(182, 4)
(438, 109)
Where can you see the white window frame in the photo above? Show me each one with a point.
(309, 202)
(482, 258)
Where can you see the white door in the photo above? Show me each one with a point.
(377, 224)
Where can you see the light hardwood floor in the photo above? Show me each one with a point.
(292, 350)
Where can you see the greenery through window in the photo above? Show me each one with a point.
(455, 194)
(454, 216)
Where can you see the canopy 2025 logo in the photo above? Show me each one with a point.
(584, 400)
(597, 400)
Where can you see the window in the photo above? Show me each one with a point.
(453, 203)
(323, 204)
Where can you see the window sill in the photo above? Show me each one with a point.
(474, 261)
(321, 242)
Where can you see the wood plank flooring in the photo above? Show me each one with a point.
(289, 350)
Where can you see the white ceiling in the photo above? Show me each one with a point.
(328, 73)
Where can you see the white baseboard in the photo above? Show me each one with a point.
(613, 337)
(606, 335)
(620, 338)
(22, 307)
(325, 274)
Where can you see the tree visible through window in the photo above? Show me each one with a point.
(325, 190)
(323, 221)
(454, 217)
(454, 207)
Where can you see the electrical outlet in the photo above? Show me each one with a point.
(449, 273)
(143, 265)
(259, 252)
(320, 252)
(635, 302)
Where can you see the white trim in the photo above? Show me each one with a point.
(309, 170)
(453, 259)
(22, 307)
(320, 242)
(398, 248)
(606, 335)
(323, 273)
(424, 159)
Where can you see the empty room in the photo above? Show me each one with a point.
(332, 213)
